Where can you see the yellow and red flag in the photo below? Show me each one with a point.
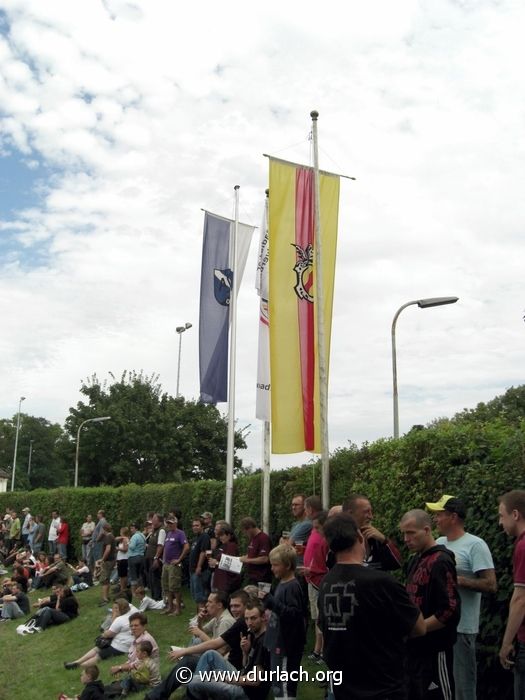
(293, 331)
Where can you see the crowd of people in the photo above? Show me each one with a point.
(409, 636)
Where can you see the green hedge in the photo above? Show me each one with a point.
(476, 461)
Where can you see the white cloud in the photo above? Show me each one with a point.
(147, 112)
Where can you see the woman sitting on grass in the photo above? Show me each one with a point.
(82, 573)
(42, 563)
(136, 660)
(119, 634)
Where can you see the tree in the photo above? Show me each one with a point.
(48, 468)
(509, 407)
(151, 437)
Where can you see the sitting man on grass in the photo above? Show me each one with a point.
(253, 681)
(60, 607)
(15, 603)
(57, 573)
(213, 638)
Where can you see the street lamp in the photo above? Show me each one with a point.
(423, 304)
(180, 330)
(30, 455)
(22, 398)
(88, 420)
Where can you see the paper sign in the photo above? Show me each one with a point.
(228, 563)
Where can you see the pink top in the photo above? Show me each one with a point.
(315, 558)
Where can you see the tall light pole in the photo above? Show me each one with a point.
(88, 420)
(423, 304)
(30, 455)
(180, 330)
(22, 398)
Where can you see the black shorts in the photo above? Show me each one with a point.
(122, 567)
(108, 652)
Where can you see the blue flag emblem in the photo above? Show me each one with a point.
(222, 285)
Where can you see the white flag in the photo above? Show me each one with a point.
(262, 401)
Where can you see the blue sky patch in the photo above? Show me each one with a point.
(18, 185)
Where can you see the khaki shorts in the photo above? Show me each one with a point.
(313, 595)
(106, 570)
(171, 578)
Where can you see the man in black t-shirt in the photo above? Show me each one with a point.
(255, 658)
(190, 657)
(15, 603)
(199, 571)
(365, 616)
(432, 586)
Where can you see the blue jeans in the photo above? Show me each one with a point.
(465, 669)
(136, 570)
(130, 685)
(199, 587)
(172, 681)
(213, 661)
(201, 690)
(11, 611)
(519, 672)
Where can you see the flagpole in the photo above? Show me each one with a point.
(266, 448)
(230, 452)
(321, 342)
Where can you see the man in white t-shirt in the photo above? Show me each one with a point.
(26, 525)
(476, 575)
(53, 531)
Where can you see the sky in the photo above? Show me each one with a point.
(120, 121)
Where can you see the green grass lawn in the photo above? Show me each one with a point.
(32, 666)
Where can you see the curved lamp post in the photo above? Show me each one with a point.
(423, 304)
(30, 457)
(89, 420)
(13, 472)
(180, 330)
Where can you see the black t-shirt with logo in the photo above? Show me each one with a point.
(365, 616)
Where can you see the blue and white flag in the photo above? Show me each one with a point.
(217, 275)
